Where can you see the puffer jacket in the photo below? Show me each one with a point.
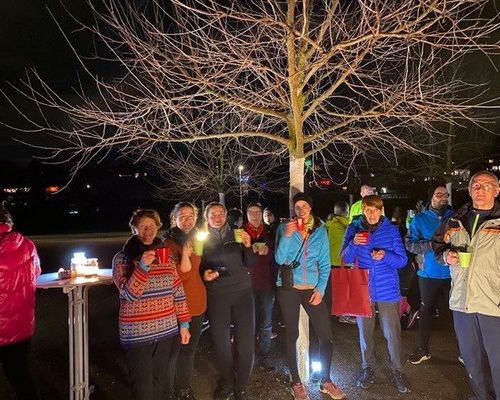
(475, 289)
(383, 275)
(422, 229)
(313, 256)
(19, 268)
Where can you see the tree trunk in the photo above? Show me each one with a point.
(297, 185)
(222, 198)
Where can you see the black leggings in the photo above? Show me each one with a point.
(238, 308)
(290, 301)
(15, 359)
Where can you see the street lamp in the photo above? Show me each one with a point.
(240, 168)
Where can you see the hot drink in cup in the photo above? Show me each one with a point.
(363, 237)
(300, 224)
(237, 236)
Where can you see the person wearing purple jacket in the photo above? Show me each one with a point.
(374, 243)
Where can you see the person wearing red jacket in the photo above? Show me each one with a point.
(19, 268)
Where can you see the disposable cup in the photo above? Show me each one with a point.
(300, 224)
(198, 247)
(464, 259)
(237, 236)
(365, 235)
(259, 245)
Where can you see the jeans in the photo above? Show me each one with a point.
(264, 301)
(15, 359)
(148, 367)
(388, 313)
(479, 342)
(429, 291)
(290, 301)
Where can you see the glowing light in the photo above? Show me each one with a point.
(316, 367)
(201, 236)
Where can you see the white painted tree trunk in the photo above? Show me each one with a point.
(222, 198)
(448, 189)
(297, 185)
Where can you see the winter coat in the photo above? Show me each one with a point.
(19, 269)
(475, 289)
(314, 257)
(422, 229)
(383, 274)
(221, 251)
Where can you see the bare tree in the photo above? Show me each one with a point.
(206, 170)
(334, 78)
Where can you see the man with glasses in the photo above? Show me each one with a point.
(469, 243)
(433, 277)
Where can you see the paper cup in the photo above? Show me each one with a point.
(198, 247)
(237, 236)
(365, 235)
(300, 224)
(464, 259)
(259, 245)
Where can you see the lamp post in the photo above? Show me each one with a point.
(240, 168)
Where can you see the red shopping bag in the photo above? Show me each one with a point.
(350, 293)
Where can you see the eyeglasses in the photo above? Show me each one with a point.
(442, 195)
(487, 187)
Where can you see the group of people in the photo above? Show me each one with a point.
(168, 285)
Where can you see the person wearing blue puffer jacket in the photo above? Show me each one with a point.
(433, 277)
(374, 243)
(303, 255)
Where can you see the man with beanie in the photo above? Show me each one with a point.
(433, 277)
(303, 256)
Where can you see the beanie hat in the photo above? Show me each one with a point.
(304, 197)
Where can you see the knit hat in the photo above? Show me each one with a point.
(254, 204)
(304, 197)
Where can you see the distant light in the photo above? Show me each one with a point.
(383, 190)
(73, 212)
(52, 189)
(491, 161)
(316, 366)
(371, 174)
(241, 168)
(88, 186)
(344, 187)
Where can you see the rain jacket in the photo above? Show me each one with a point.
(422, 228)
(383, 275)
(19, 269)
(336, 227)
(475, 289)
(314, 257)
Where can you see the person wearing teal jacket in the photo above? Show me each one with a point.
(303, 248)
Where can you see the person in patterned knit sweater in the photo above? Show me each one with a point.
(153, 309)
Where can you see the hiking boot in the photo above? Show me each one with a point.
(223, 391)
(412, 318)
(401, 383)
(366, 378)
(332, 390)
(240, 395)
(418, 356)
(299, 392)
(186, 394)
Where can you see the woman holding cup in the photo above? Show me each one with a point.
(227, 254)
(187, 248)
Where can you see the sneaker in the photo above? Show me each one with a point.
(186, 394)
(240, 395)
(299, 392)
(418, 356)
(366, 379)
(400, 381)
(345, 319)
(274, 335)
(332, 390)
(412, 318)
(223, 391)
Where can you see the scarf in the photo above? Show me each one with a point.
(371, 228)
(255, 233)
(134, 248)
